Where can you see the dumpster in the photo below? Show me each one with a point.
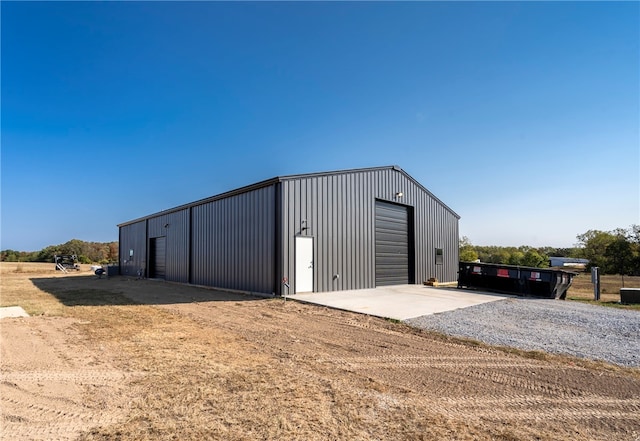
(520, 280)
(629, 295)
(112, 270)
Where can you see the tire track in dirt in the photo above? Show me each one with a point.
(30, 416)
(583, 406)
(77, 377)
(313, 368)
(454, 379)
(52, 385)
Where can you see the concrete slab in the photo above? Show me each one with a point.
(399, 302)
(12, 311)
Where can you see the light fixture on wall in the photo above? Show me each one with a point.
(399, 195)
(166, 225)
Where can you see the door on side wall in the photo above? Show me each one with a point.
(393, 244)
(157, 257)
(304, 264)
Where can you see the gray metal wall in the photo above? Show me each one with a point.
(133, 237)
(339, 212)
(175, 228)
(234, 242)
(245, 239)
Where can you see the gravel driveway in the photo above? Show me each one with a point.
(563, 327)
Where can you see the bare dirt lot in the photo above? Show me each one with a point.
(122, 359)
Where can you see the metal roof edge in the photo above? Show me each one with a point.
(278, 179)
(449, 209)
(336, 172)
(358, 170)
(226, 194)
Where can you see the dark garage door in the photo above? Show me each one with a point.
(393, 244)
(157, 258)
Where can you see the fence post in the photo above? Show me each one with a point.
(595, 279)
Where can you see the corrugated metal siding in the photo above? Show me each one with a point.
(233, 242)
(133, 237)
(338, 211)
(175, 227)
(244, 239)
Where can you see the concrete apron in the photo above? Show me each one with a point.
(12, 312)
(399, 302)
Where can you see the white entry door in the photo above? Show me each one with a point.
(304, 264)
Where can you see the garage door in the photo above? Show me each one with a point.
(158, 253)
(392, 244)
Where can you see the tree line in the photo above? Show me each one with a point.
(87, 252)
(614, 252)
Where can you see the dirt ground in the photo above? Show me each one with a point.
(120, 359)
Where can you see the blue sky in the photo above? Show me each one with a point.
(522, 117)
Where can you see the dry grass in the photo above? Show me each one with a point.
(582, 290)
(17, 290)
(204, 383)
(17, 287)
(40, 268)
(207, 384)
(215, 366)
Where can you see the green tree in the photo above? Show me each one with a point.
(516, 258)
(46, 254)
(467, 253)
(500, 255)
(556, 252)
(593, 245)
(113, 252)
(616, 251)
(90, 252)
(74, 246)
(9, 256)
(620, 257)
(633, 237)
(535, 259)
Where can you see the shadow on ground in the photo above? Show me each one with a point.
(89, 290)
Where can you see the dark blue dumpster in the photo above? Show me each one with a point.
(113, 270)
(520, 280)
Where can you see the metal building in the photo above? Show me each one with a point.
(318, 232)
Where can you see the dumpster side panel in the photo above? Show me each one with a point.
(526, 281)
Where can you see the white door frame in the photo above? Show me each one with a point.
(304, 264)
